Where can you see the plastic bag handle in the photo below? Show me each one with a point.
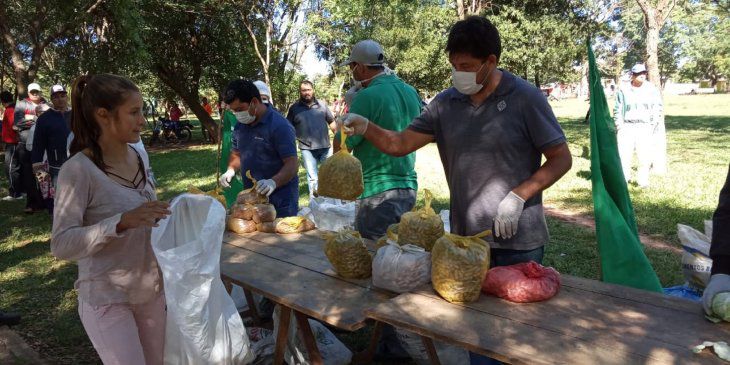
(248, 175)
(343, 138)
(428, 197)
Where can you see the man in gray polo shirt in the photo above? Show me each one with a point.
(312, 121)
(491, 128)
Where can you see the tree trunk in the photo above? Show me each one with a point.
(537, 79)
(652, 54)
(205, 119)
(190, 97)
(460, 9)
(654, 18)
(21, 82)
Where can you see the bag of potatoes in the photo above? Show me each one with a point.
(391, 235)
(266, 227)
(459, 265)
(401, 268)
(263, 213)
(242, 211)
(293, 225)
(239, 225)
(347, 253)
(340, 176)
(250, 196)
(421, 227)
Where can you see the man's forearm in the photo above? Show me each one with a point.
(234, 161)
(387, 141)
(287, 172)
(555, 166)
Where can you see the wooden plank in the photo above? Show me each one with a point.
(324, 298)
(366, 356)
(511, 341)
(253, 310)
(433, 356)
(605, 319)
(308, 253)
(309, 341)
(282, 335)
(624, 292)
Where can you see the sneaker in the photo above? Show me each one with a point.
(11, 198)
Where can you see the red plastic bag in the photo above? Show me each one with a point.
(522, 283)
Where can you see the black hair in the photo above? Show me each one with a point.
(243, 90)
(307, 82)
(6, 97)
(476, 36)
(376, 67)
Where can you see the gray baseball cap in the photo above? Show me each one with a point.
(367, 52)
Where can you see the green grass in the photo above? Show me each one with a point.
(40, 287)
(698, 134)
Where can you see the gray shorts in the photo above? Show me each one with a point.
(376, 213)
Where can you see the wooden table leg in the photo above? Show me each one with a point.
(282, 335)
(366, 356)
(309, 341)
(227, 284)
(433, 356)
(252, 309)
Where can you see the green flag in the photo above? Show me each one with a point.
(622, 257)
(229, 121)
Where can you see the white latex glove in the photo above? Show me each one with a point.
(265, 187)
(718, 283)
(508, 214)
(354, 124)
(225, 179)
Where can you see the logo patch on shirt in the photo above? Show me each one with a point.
(501, 105)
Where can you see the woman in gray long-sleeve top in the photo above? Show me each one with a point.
(105, 209)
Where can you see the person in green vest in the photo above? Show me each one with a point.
(390, 182)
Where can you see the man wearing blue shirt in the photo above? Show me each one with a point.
(263, 143)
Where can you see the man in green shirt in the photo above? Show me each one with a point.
(390, 182)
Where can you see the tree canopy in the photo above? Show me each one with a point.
(186, 49)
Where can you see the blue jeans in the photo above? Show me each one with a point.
(506, 257)
(311, 160)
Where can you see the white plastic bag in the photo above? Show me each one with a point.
(708, 229)
(332, 350)
(332, 214)
(696, 261)
(203, 326)
(401, 268)
(448, 354)
(445, 214)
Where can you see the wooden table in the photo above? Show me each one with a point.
(588, 322)
(293, 271)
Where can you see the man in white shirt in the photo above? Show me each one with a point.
(638, 115)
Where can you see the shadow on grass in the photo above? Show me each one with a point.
(713, 124)
(40, 288)
(662, 214)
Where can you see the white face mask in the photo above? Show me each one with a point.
(357, 84)
(244, 117)
(466, 82)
